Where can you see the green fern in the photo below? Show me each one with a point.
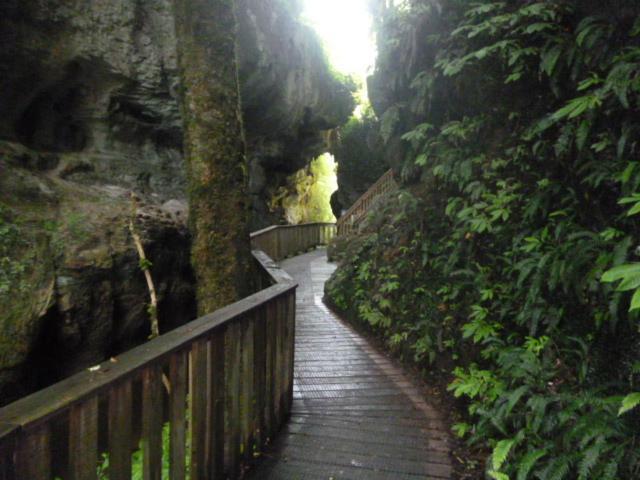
(558, 469)
(590, 459)
(527, 463)
(629, 402)
(500, 453)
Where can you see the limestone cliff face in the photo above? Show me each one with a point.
(95, 82)
(88, 114)
(397, 102)
(290, 97)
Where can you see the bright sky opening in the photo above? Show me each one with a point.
(345, 28)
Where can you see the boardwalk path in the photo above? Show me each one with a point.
(355, 415)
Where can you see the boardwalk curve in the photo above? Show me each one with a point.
(355, 414)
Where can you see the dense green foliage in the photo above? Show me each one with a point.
(360, 160)
(521, 135)
(306, 197)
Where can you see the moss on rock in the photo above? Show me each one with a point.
(214, 149)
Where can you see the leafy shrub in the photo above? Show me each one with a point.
(524, 136)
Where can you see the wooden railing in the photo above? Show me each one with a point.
(199, 400)
(283, 240)
(351, 219)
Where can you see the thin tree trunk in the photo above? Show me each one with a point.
(214, 149)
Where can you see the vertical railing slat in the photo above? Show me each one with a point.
(233, 346)
(152, 401)
(259, 364)
(284, 354)
(276, 332)
(247, 395)
(178, 376)
(291, 299)
(217, 403)
(286, 359)
(120, 431)
(199, 424)
(34, 454)
(270, 372)
(83, 440)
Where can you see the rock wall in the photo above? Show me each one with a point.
(95, 82)
(290, 97)
(76, 293)
(398, 102)
(88, 114)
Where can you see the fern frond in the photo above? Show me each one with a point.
(500, 453)
(528, 462)
(590, 458)
(629, 402)
(557, 469)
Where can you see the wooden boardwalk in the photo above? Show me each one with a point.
(355, 414)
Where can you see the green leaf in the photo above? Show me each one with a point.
(550, 59)
(629, 282)
(461, 429)
(576, 107)
(498, 475)
(527, 463)
(634, 210)
(583, 134)
(145, 264)
(538, 27)
(514, 397)
(629, 402)
(635, 301)
(514, 77)
(500, 453)
(625, 176)
(421, 159)
(620, 272)
(590, 459)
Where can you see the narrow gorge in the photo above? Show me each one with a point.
(91, 139)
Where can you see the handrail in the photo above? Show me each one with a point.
(281, 241)
(351, 219)
(227, 379)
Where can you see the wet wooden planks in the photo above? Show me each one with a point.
(355, 414)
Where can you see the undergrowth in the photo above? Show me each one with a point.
(511, 250)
